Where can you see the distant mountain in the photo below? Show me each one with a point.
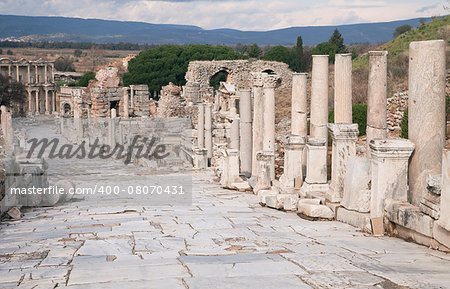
(43, 28)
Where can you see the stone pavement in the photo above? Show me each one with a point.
(224, 240)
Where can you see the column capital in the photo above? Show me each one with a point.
(378, 53)
(293, 142)
(343, 131)
(270, 80)
(391, 148)
(265, 155)
(257, 79)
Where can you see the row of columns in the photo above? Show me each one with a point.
(34, 102)
(46, 78)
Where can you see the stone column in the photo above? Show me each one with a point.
(9, 70)
(208, 130)
(126, 104)
(376, 97)
(45, 73)
(316, 167)
(200, 159)
(293, 168)
(230, 173)
(258, 119)
(37, 103)
(17, 73)
(54, 102)
(426, 113)
(343, 88)
(53, 72)
(3, 119)
(234, 134)
(9, 136)
(29, 73)
(319, 97)
(389, 172)
(113, 113)
(36, 73)
(344, 138)
(201, 126)
(299, 111)
(441, 230)
(30, 101)
(77, 117)
(264, 177)
(245, 110)
(132, 96)
(270, 82)
(47, 104)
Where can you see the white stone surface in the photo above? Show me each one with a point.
(315, 211)
(357, 184)
(426, 113)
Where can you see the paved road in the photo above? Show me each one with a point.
(225, 239)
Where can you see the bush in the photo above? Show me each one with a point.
(359, 116)
(404, 125)
(77, 52)
(9, 52)
(401, 29)
(64, 64)
(84, 81)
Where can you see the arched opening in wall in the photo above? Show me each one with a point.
(114, 104)
(67, 109)
(220, 76)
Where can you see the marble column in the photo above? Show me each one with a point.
(258, 119)
(270, 82)
(426, 113)
(29, 73)
(319, 97)
(389, 172)
(9, 70)
(77, 118)
(343, 88)
(200, 159)
(201, 126)
(53, 72)
(293, 168)
(234, 134)
(316, 167)
(37, 103)
(208, 130)
(17, 73)
(36, 73)
(45, 73)
(264, 177)
(54, 102)
(126, 104)
(3, 119)
(376, 97)
(230, 173)
(30, 101)
(132, 96)
(47, 104)
(299, 111)
(344, 138)
(245, 111)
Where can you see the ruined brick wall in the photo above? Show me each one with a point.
(238, 71)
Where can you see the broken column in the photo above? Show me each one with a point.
(126, 104)
(234, 134)
(426, 113)
(319, 97)
(201, 126)
(270, 81)
(441, 230)
(389, 172)
(316, 167)
(343, 132)
(208, 131)
(231, 168)
(258, 119)
(199, 158)
(376, 97)
(192, 91)
(316, 149)
(295, 143)
(245, 114)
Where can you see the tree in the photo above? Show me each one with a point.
(254, 51)
(402, 29)
(168, 63)
(11, 91)
(422, 21)
(278, 53)
(77, 52)
(1, 51)
(337, 39)
(297, 61)
(325, 48)
(64, 64)
(84, 81)
(9, 52)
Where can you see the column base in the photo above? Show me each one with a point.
(47, 113)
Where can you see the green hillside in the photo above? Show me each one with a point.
(438, 28)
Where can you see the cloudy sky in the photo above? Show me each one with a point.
(237, 14)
